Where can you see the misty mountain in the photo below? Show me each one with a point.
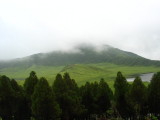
(82, 54)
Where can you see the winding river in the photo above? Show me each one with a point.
(145, 77)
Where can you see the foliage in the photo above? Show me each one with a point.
(29, 86)
(6, 97)
(96, 97)
(19, 102)
(121, 87)
(66, 91)
(30, 83)
(137, 97)
(154, 94)
(104, 96)
(44, 105)
(67, 101)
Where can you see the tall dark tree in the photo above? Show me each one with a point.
(72, 85)
(104, 97)
(16, 87)
(95, 88)
(6, 97)
(138, 97)
(59, 85)
(121, 87)
(44, 105)
(96, 97)
(89, 98)
(19, 103)
(154, 94)
(67, 96)
(29, 86)
(30, 83)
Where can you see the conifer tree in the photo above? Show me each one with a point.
(104, 97)
(59, 85)
(154, 94)
(71, 84)
(30, 83)
(19, 102)
(29, 86)
(44, 105)
(67, 96)
(89, 98)
(121, 87)
(6, 97)
(138, 97)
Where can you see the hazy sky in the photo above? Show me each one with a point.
(33, 26)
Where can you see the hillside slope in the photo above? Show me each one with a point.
(85, 63)
(81, 55)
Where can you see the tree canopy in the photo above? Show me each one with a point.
(44, 105)
(65, 100)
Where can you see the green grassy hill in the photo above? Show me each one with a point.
(85, 63)
(80, 72)
(81, 55)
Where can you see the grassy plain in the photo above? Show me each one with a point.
(80, 72)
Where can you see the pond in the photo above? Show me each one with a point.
(145, 77)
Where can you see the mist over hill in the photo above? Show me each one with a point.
(82, 54)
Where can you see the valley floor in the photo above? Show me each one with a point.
(80, 72)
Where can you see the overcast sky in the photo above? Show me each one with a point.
(33, 26)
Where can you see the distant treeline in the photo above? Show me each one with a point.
(64, 100)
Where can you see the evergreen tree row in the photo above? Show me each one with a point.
(64, 100)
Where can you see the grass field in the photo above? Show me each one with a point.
(80, 72)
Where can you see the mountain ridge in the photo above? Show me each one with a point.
(83, 54)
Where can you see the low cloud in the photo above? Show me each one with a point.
(36, 26)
